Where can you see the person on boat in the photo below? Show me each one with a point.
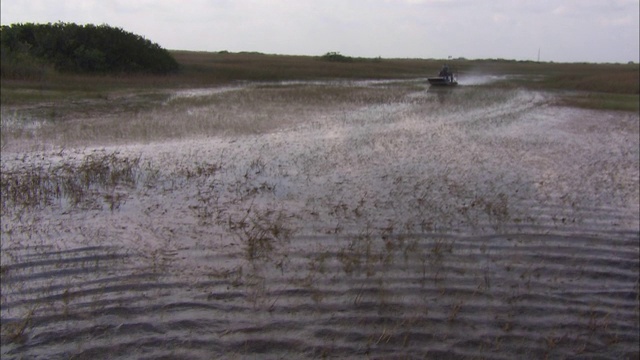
(444, 72)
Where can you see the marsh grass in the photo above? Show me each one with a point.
(202, 69)
(603, 101)
(226, 67)
(598, 86)
(74, 184)
(239, 111)
(119, 109)
(261, 232)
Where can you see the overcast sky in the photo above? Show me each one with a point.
(562, 30)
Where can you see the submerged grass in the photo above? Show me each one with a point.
(232, 111)
(37, 186)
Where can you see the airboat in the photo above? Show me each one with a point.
(444, 78)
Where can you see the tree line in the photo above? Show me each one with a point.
(69, 47)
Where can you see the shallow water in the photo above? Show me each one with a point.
(492, 296)
(465, 224)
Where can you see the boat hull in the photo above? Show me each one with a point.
(442, 81)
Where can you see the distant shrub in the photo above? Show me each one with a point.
(70, 47)
(336, 57)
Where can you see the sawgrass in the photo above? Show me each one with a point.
(603, 101)
(215, 68)
(225, 67)
(149, 116)
(55, 96)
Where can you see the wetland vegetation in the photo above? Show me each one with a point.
(256, 205)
